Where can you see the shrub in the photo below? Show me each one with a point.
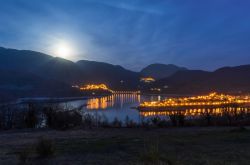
(1, 118)
(177, 119)
(181, 119)
(127, 120)
(162, 123)
(129, 123)
(173, 119)
(88, 120)
(31, 119)
(49, 114)
(76, 118)
(117, 123)
(145, 123)
(104, 122)
(158, 122)
(155, 121)
(152, 154)
(62, 119)
(45, 148)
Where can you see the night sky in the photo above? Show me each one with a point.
(198, 34)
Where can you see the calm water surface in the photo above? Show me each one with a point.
(117, 106)
(121, 106)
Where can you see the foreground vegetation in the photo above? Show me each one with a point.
(62, 135)
(63, 118)
(127, 146)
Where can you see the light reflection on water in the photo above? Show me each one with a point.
(114, 101)
(115, 106)
(118, 106)
(122, 105)
(197, 112)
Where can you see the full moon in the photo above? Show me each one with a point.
(63, 49)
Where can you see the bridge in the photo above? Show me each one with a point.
(126, 92)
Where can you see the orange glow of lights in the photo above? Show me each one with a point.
(212, 99)
(95, 87)
(147, 79)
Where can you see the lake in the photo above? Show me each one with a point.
(118, 106)
(122, 106)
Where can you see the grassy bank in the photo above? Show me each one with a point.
(225, 145)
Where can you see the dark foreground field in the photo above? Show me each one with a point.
(129, 146)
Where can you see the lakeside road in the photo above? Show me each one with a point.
(201, 145)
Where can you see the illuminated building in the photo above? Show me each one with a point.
(206, 101)
(95, 87)
(155, 89)
(147, 79)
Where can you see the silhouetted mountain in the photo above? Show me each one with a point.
(15, 84)
(160, 71)
(114, 76)
(48, 67)
(61, 70)
(29, 73)
(22, 60)
(228, 80)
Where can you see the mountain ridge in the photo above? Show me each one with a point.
(159, 71)
(30, 73)
(227, 80)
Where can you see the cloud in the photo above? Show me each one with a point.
(133, 33)
(133, 6)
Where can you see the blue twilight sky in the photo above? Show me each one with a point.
(198, 34)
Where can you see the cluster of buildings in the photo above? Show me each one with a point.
(212, 99)
(95, 87)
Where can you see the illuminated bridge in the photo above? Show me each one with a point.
(126, 92)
